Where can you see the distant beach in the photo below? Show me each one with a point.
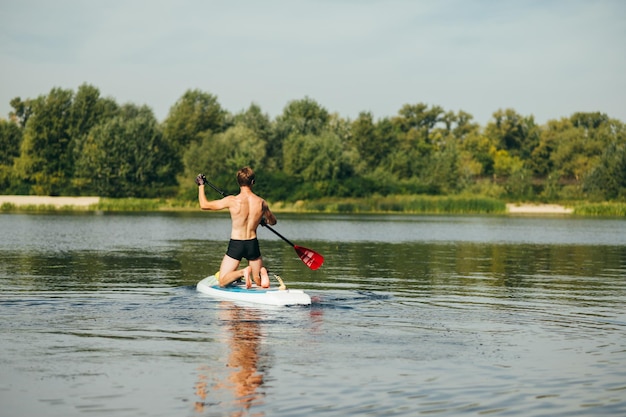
(538, 209)
(57, 202)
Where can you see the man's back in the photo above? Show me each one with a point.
(246, 211)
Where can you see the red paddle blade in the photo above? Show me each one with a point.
(310, 258)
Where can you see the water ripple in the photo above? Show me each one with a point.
(435, 315)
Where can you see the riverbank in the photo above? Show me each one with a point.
(390, 204)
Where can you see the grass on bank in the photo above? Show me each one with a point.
(41, 208)
(409, 204)
(413, 204)
(601, 209)
(387, 204)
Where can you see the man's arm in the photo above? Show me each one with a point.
(214, 204)
(210, 205)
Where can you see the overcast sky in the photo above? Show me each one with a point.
(543, 58)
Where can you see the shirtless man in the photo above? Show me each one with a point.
(247, 210)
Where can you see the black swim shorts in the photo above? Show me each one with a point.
(248, 249)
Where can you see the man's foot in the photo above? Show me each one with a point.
(246, 276)
(265, 279)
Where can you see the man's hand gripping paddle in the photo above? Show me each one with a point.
(310, 258)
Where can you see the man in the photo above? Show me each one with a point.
(247, 210)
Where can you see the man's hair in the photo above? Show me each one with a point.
(245, 177)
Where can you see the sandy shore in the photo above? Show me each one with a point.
(35, 200)
(538, 209)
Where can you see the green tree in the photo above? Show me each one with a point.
(374, 142)
(576, 144)
(514, 138)
(552, 134)
(238, 147)
(304, 117)
(88, 110)
(464, 126)
(319, 163)
(516, 177)
(607, 178)
(479, 148)
(299, 117)
(10, 141)
(45, 160)
(607, 181)
(315, 157)
(257, 121)
(441, 174)
(219, 156)
(413, 126)
(419, 117)
(191, 118)
(21, 111)
(514, 133)
(54, 125)
(126, 156)
(589, 121)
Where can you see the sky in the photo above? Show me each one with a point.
(545, 58)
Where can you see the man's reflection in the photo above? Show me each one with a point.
(245, 375)
(244, 355)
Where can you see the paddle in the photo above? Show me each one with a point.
(310, 258)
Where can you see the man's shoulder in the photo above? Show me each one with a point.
(252, 196)
(230, 199)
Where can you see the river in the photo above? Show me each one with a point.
(411, 315)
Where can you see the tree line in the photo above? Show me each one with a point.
(81, 143)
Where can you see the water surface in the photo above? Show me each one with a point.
(445, 315)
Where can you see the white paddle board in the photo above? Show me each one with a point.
(238, 292)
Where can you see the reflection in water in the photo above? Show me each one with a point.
(246, 372)
(202, 388)
(408, 267)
